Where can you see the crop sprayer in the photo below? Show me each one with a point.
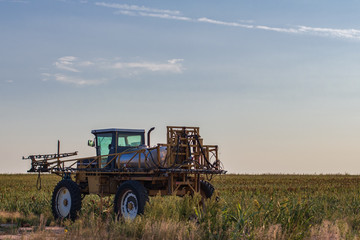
(132, 170)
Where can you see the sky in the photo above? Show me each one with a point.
(274, 83)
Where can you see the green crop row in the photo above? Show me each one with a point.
(244, 207)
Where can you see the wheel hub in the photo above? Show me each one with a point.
(129, 205)
(63, 202)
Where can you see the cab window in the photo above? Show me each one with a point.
(129, 140)
(134, 141)
(104, 141)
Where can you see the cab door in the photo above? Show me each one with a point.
(105, 146)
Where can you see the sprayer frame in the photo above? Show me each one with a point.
(187, 164)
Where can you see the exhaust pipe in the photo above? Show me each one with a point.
(148, 136)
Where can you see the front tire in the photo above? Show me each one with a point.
(130, 200)
(66, 200)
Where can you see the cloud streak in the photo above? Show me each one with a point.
(76, 71)
(217, 22)
(165, 16)
(332, 32)
(134, 10)
(66, 63)
(173, 66)
(77, 80)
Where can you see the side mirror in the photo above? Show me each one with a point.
(91, 143)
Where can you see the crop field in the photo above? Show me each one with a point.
(243, 207)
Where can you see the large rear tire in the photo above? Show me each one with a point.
(206, 189)
(130, 200)
(66, 200)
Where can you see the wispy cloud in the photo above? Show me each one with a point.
(67, 63)
(333, 32)
(78, 80)
(173, 66)
(137, 8)
(46, 76)
(9, 81)
(326, 32)
(276, 29)
(134, 10)
(165, 15)
(217, 22)
(73, 70)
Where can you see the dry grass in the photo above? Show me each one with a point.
(250, 207)
(10, 215)
(273, 232)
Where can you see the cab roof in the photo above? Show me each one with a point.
(107, 130)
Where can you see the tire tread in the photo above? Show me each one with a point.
(139, 190)
(207, 188)
(75, 199)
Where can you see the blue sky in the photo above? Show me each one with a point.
(274, 83)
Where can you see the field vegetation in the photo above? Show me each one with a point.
(244, 207)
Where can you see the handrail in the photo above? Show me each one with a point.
(197, 160)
